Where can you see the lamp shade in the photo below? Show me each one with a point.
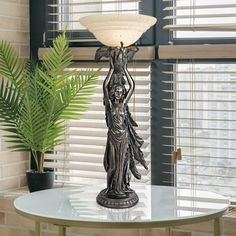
(112, 29)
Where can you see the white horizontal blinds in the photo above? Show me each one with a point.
(65, 14)
(80, 160)
(201, 18)
(205, 126)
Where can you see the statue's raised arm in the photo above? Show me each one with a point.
(128, 54)
(131, 84)
(106, 52)
(106, 83)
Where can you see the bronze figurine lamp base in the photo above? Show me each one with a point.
(123, 147)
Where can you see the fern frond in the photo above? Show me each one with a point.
(75, 95)
(10, 65)
(9, 102)
(58, 57)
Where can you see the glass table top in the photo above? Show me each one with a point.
(156, 204)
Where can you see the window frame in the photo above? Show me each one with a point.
(204, 61)
(162, 167)
(189, 41)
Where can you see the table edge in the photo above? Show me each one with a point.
(123, 225)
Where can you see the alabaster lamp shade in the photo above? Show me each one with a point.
(112, 29)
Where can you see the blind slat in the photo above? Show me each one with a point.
(198, 128)
(79, 179)
(93, 141)
(97, 115)
(92, 3)
(207, 175)
(201, 147)
(138, 107)
(206, 157)
(200, 16)
(198, 138)
(101, 124)
(140, 98)
(88, 150)
(195, 7)
(202, 27)
(80, 158)
(199, 91)
(198, 119)
(84, 12)
(198, 100)
(77, 158)
(201, 81)
(96, 169)
(199, 72)
(99, 133)
(206, 166)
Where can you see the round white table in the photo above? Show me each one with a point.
(159, 206)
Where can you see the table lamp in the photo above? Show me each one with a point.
(123, 148)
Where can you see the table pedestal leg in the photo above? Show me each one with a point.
(62, 230)
(37, 229)
(168, 231)
(217, 227)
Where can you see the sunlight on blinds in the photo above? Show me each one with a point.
(65, 14)
(204, 125)
(201, 18)
(80, 160)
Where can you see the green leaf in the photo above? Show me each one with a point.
(36, 99)
(10, 65)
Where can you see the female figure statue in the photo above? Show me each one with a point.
(123, 147)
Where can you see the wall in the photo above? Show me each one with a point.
(14, 27)
(14, 24)
(12, 169)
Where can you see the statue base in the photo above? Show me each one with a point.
(127, 200)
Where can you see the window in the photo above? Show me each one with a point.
(201, 18)
(198, 94)
(192, 101)
(203, 105)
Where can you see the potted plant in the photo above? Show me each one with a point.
(36, 99)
